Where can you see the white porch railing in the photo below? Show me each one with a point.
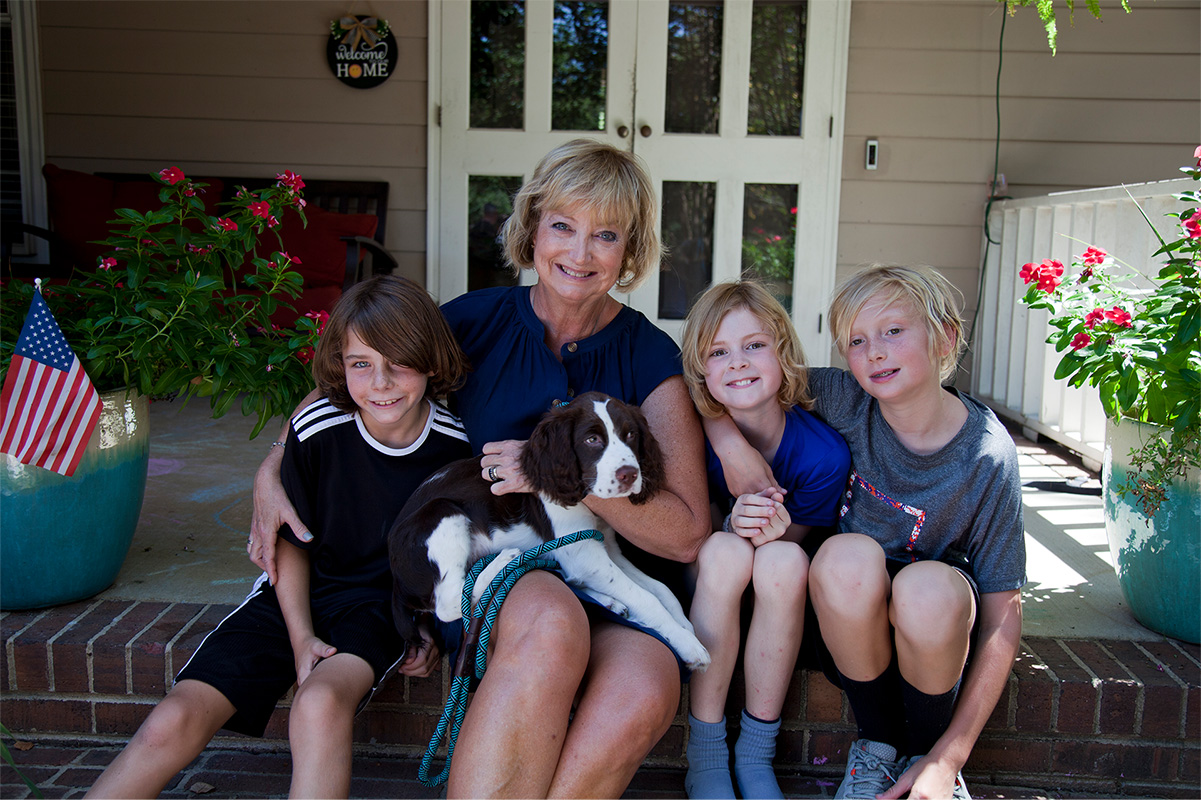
(1014, 366)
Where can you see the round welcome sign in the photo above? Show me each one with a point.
(361, 51)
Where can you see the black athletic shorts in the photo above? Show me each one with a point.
(248, 656)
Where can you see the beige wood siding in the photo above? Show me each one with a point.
(1121, 102)
(238, 89)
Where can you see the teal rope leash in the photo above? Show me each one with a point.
(478, 625)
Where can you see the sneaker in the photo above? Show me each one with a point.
(959, 792)
(872, 768)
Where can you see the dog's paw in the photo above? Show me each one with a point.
(502, 560)
(694, 655)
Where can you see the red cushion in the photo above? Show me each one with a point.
(320, 298)
(319, 246)
(81, 207)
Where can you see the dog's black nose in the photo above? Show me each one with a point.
(626, 476)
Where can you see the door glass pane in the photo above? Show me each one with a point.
(777, 67)
(489, 204)
(688, 213)
(580, 62)
(693, 67)
(497, 64)
(769, 236)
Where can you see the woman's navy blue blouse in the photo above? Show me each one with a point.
(515, 378)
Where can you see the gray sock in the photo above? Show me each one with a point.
(708, 773)
(753, 755)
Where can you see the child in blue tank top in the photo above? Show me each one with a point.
(742, 357)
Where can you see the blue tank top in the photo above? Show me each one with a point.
(515, 378)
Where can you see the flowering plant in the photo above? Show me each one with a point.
(181, 304)
(1139, 346)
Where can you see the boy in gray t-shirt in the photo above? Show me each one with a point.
(930, 555)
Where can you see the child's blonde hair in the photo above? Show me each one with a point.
(700, 328)
(926, 291)
(398, 319)
(607, 180)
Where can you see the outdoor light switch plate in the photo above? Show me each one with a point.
(871, 159)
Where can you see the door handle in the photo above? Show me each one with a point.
(623, 131)
(645, 130)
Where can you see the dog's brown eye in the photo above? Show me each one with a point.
(629, 435)
(593, 439)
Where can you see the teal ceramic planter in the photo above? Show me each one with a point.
(64, 539)
(1158, 560)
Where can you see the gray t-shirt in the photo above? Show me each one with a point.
(962, 502)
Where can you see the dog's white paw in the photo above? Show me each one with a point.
(694, 655)
(491, 571)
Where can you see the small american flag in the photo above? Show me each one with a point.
(48, 407)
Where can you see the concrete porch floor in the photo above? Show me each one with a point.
(190, 543)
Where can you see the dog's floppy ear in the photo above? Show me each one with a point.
(549, 459)
(650, 459)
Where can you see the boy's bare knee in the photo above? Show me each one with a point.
(931, 603)
(725, 560)
(781, 568)
(849, 569)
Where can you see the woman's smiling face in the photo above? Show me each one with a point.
(578, 255)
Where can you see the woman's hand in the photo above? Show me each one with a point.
(272, 508)
(760, 517)
(501, 466)
(308, 655)
(421, 661)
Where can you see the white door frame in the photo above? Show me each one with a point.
(816, 259)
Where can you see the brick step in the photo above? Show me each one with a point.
(1098, 714)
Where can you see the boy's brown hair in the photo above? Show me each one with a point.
(701, 326)
(926, 291)
(396, 317)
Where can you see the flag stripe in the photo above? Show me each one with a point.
(48, 407)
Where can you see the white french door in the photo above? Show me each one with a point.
(735, 107)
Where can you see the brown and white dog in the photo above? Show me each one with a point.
(595, 445)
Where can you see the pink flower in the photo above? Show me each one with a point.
(1193, 225)
(792, 211)
(108, 263)
(260, 208)
(1081, 340)
(305, 354)
(171, 175)
(776, 238)
(1093, 317)
(1029, 273)
(1120, 317)
(190, 191)
(227, 224)
(299, 201)
(1049, 274)
(320, 317)
(290, 179)
(289, 258)
(1093, 257)
(272, 221)
(1197, 155)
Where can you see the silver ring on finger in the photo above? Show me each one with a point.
(492, 476)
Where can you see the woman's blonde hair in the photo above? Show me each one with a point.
(609, 181)
(700, 328)
(398, 319)
(927, 292)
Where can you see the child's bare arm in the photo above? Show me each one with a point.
(293, 594)
(996, 647)
(746, 470)
(272, 508)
